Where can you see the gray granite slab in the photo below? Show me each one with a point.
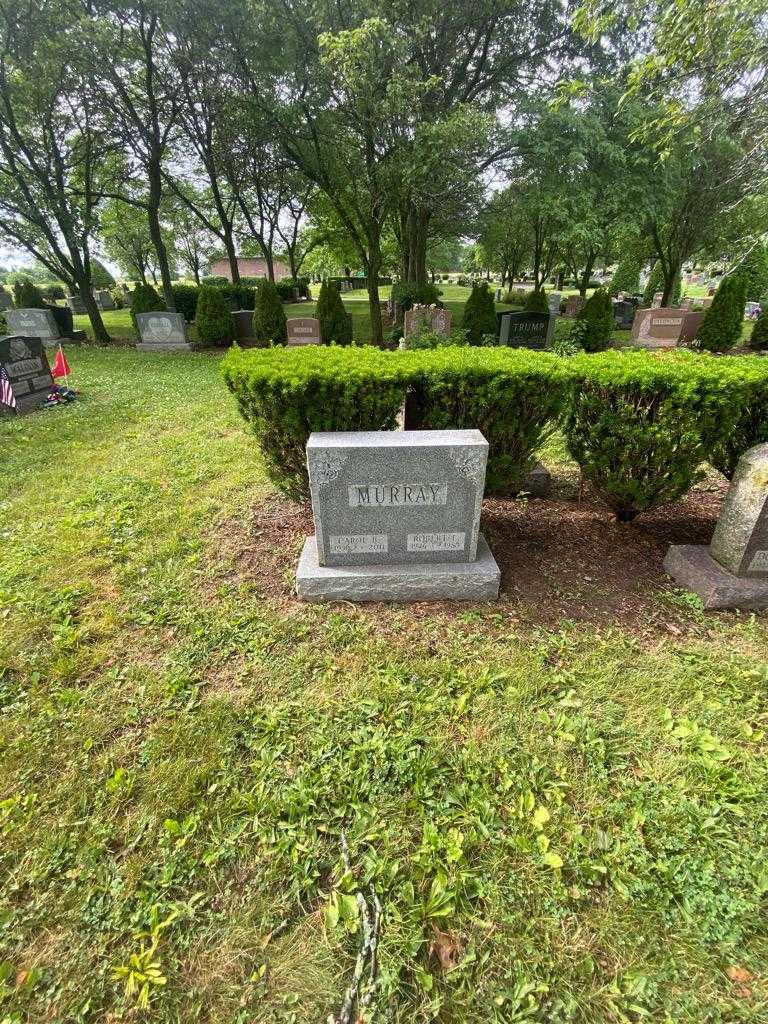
(740, 541)
(457, 581)
(397, 497)
(32, 323)
(162, 332)
(26, 367)
(693, 567)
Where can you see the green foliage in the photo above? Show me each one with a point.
(407, 295)
(640, 428)
(479, 314)
(101, 279)
(54, 292)
(755, 271)
(597, 317)
(27, 295)
(536, 301)
(721, 326)
(144, 299)
(287, 394)
(269, 315)
(185, 296)
(514, 396)
(626, 276)
(516, 297)
(758, 338)
(747, 380)
(213, 323)
(655, 283)
(335, 322)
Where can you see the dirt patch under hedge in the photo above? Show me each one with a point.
(561, 560)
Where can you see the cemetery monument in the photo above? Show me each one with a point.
(303, 330)
(25, 376)
(524, 330)
(733, 571)
(397, 518)
(162, 332)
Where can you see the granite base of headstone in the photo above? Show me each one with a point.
(397, 518)
(732, 572)
(162, 332)
(27, 376)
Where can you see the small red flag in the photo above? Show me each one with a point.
(61, 366)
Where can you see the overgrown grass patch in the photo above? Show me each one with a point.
(561, 825)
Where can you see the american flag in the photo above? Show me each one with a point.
(7, 396)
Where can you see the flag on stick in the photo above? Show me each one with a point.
(7, 396)
(61, 366)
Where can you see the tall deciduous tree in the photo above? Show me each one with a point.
(52, 146)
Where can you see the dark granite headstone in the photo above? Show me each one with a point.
(6, 300)
(25, 364)
(76, 304)
(104, 301)
(623, 314)
(524, 330)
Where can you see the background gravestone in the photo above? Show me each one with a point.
(25, 365)
(573, 305)
(6, 300)
(162, 332)
(397, 517)
(623, 314)
(436, 319)
(657, 328)
(105, 301)
(524, 330)
(554, 303)
(76, 304)
(657, 297)
(33, 323)
(303, 330)
(733, 571)
(243, 320)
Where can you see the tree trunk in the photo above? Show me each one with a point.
(155, 231)
(372, 281)
(671, 272)
(100, 332)
(229, 245)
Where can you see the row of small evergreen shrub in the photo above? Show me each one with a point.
(640, 426)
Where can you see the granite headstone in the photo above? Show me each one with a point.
(524, 330)
(431, 317)
(33, 323)
(573, 305)
(162, 332)
(76, 304)
(6, 299)
(105, 301)
(397, 517)
(25, 365)
(304, 330)
(733, 571)
(664, 328)
(554, 303)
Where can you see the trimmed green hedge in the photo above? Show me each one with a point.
(286, 393)
(514, 397)
(640, 425)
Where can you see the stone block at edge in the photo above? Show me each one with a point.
(450, 581)
(692, 567)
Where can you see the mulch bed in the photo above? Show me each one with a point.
(561, 559)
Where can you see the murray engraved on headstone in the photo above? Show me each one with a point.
(397, 517)
(33, 323)
(303, 330)
(28, 375)
(733, 571)
(161, 332)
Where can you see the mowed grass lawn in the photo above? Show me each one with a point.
(563, 823)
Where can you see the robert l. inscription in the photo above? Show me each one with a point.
(397, 497)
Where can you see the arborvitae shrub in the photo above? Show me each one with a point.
(755, 271)
(721, 327)
(536, 301)
(185, 296)
(144, 299)
(269, 315)
(758, 339)
(748, 377)
(27, 295)
(479, 314)
(626, 276)
(597, 316)
(335, 321)
(213, 323)
(640, 427)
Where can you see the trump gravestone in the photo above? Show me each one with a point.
(397, 518)
(733, 571)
